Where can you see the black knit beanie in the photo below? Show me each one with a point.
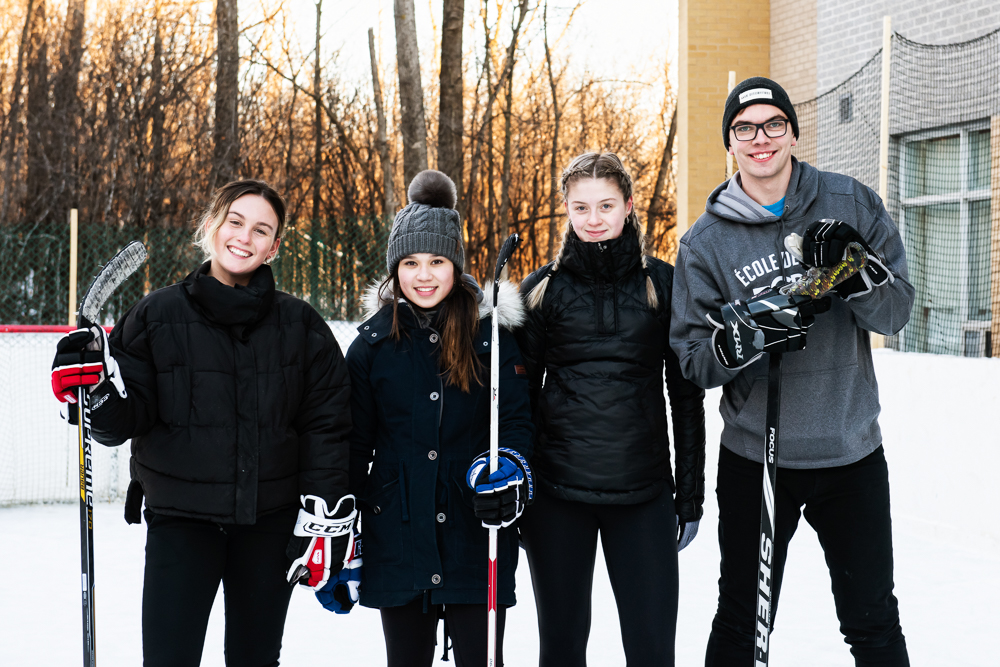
(429, 223)
(756, 90)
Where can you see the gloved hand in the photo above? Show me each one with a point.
(341, 592)
(322, 541)
(500, 498)
(769, 322)
(83, 359)
(825, 244)
(686, 532)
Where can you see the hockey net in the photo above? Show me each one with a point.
(39, 454)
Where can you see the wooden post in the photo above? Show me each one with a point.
(878, 340)
(729, 156)
(73, 237)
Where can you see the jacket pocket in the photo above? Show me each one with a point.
(382, 526)
(173, 396)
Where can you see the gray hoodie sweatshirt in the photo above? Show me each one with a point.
(829, 396)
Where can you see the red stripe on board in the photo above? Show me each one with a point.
(39, 328)
(492, 593)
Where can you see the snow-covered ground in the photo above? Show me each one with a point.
(939, 424)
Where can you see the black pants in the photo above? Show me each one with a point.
(185, 561)
(411, 633)
(848, 507)
(640, 548)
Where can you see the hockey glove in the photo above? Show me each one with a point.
(686, 532)
(500, 496)
(769, 322)
(322, 541)
(83, 359)
(341, 593)
(825, 244)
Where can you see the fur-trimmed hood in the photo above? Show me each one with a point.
(510, 308)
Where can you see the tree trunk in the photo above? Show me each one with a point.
(411, 92)
(389, 198)
(505, 178)
(12, 122)
(226, 157)
(38, 120)
(66, 104)
(450, 118)
(157, 120)
(556, 117)
(317, 176)
(656, 201)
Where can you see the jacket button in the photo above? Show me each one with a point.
(374, 334)
(486, 343)
(432, 455)
(434, 338)
(367, 327)
(436, 579)
(377, 510)
(441, 517)
(435, 396)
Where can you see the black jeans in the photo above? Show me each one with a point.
(185, 561)
(848, 507)
(640, 548)
(411, 633)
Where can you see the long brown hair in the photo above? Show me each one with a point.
(458, 319)
(610, 167)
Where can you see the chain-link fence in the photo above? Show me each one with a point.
(328, 263)
(943, 186)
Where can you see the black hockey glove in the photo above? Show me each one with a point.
(769, 322)
(500, 496)
(825, 244)
(83, 359)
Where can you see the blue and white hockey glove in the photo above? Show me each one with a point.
(825, 244)
(322, 541)
(686, 532)
(501, 496)
(341, 592)
(83, 359)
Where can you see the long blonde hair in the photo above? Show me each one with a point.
(597, 165)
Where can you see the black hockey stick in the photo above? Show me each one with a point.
(506, 251)
(765, 551)
(107, 280)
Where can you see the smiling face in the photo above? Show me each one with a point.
(596, 208)
(244, 241)
(765, 162)
(425, 279)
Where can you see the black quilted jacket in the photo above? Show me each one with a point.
(600, 411)
(238, 400)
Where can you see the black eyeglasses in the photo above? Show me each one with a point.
(774, 128)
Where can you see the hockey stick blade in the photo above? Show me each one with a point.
(506, 251)
(107, 280)
(819, 280)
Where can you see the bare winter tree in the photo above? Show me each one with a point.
(450, 158)
(389, 197)
(225, 133)
(411, 92)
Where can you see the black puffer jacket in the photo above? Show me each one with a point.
(601, 414)
(238, 400)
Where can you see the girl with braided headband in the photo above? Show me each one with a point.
(596, 347)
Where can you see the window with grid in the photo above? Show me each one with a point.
(945, 223)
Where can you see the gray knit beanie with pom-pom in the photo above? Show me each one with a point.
(429, 223)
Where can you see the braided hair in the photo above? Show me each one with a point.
(597, 165)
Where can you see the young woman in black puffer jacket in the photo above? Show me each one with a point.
(237, 400)
(596, 347)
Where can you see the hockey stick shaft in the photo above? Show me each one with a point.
(506, 251)
(768, 508)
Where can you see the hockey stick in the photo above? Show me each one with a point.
(107, 280)
(815, 283)
(506, 251)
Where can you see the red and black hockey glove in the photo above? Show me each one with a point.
(83, 359)
(322, 542)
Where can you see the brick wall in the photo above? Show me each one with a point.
(793, 47)
(849, 32)
(715, 38)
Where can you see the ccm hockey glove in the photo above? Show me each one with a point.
(501, 496)
(322, 542)
(83, 359)
(341, 593)
(769, 322)
(825, 244)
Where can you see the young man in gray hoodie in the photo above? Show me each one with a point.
(831, 464)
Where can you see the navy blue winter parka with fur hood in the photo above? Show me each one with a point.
(421, 538)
